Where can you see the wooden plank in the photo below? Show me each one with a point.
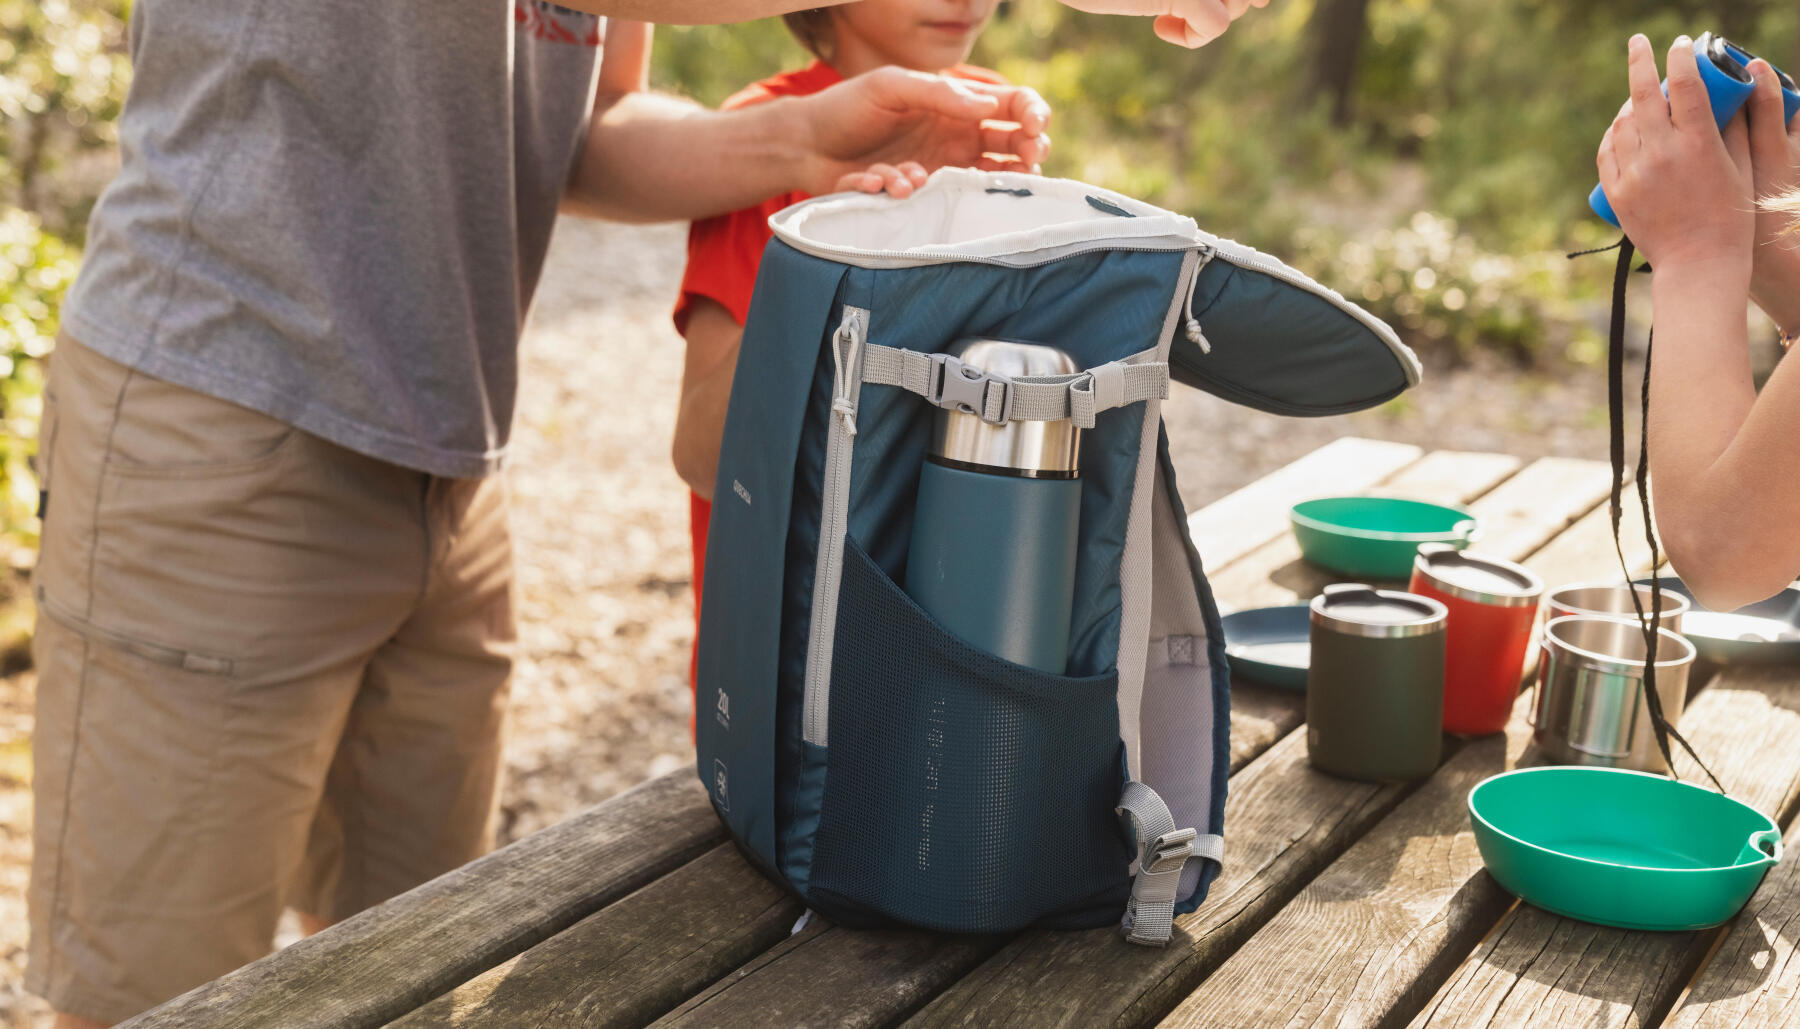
(831, 977)
(1520, 522)
(1753, 979)
(1284, 822)
(632, 961)
(1382, 926)
(391, 958)
(1521, 514)
(1541, 969)
(1584, 553)
(1234, 525)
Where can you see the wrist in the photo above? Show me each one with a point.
(804, 165)
(1724, 271)
(1712, 289)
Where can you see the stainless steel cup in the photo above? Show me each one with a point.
(1611, 600)
(1590, 707)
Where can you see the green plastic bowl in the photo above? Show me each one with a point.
(1621, 848)
(1375, 537)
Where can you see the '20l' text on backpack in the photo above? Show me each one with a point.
(862, 754)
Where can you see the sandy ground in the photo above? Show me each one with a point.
(601, 696)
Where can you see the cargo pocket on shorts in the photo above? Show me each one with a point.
(963, 792)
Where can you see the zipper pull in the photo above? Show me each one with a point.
(1194, 335)
(849, 334)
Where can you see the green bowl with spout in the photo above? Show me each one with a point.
(1622, 848)
(1376, 537)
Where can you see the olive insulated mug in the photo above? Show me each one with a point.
(1375, 688)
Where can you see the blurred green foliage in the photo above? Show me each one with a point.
(63, 75)
(1445, 201)
(1443, 197)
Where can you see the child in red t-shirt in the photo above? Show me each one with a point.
(724, 251)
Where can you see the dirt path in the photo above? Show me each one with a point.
(601, 694)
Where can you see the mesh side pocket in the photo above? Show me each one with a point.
(962, 792)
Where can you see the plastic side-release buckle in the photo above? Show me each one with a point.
(961, 387)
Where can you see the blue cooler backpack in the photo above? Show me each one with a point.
(861, 754)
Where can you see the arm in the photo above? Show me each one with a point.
(625, 58)
(1189, 23)
(1725, 462)
(656, 158)
(1775, 168)
(712, 352)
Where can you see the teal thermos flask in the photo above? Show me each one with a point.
(994, 530)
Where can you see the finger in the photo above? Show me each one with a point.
(915, 91)
(1737, 144)
(1606, 161)
(892, 179)
(914, 172)
(1004, 162)
(1019, 104)
(1688, 106)
(858, 182)
(1194, 23)
(1627, 140)
(1001, 138)
(1649, 112)
(1768, 131)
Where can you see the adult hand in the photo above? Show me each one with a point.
(1775, 169)
(892, 115)
(1189, 23)
(1682, 190)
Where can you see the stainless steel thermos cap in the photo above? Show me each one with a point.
(1047, 449)
(1477, 579)
(1357, 610)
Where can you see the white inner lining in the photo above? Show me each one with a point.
(962, 213)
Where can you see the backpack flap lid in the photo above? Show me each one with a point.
(1266, 336)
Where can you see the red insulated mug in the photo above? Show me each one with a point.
(1493, 609)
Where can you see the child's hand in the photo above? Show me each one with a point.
(1681, 190)
(895, 180)
(1775, 167)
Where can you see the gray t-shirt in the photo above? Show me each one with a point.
(335, 211)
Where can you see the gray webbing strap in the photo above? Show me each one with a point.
(997, 399)
(1163, 851)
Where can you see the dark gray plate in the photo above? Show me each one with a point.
(1270, 645)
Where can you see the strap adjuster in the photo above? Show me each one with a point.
(1169, 852)
(961, 387)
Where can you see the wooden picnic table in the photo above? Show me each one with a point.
(1341, 903)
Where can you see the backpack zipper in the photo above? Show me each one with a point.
(846, 359)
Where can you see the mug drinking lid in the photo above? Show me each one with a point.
(1476, 578)
(1358, 610)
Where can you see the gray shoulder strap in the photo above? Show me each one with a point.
(1163, 851)
(947, 382)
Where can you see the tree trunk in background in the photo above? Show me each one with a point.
(1338, 27)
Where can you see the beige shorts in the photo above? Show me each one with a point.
(271, 672)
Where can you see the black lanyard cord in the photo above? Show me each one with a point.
(1651, 624)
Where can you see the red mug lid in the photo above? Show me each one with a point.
(1477, 578)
